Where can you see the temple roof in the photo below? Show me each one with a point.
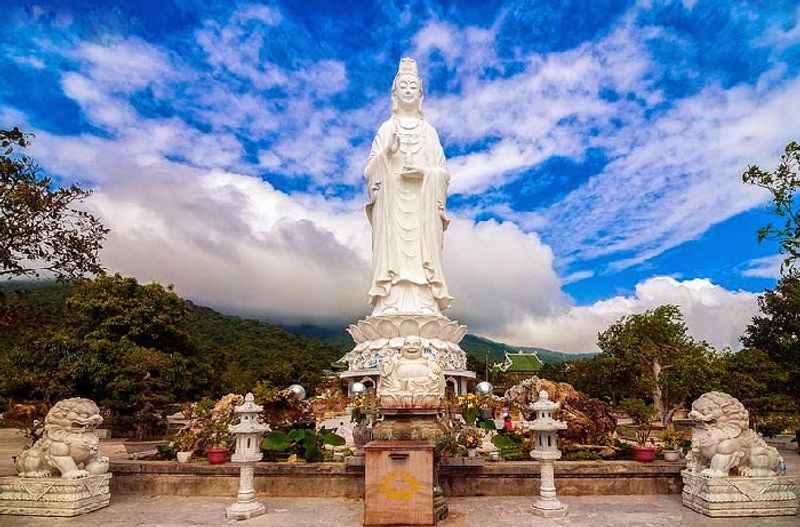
(520, 362)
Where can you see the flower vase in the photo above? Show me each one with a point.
(217, 455)
(472, 452)
(184, 457)
(644, 454)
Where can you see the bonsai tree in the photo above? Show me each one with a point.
(642, 415)
(672, 439)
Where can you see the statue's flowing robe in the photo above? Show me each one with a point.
(408, 217)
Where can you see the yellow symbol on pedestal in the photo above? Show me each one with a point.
(399, 485)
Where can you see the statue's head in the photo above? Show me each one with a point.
(407, 88)
(412, 348)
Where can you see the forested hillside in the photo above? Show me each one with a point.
(104, 338)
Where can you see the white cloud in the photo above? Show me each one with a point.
(674, 169)
(677, 176)
(764, 267)
(233, 241)
(125, 66)
(781, 37)
(29, 60)
(712, 313)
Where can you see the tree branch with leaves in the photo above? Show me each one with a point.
(42, 229)
(783, 184)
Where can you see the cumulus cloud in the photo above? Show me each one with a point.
(712, 313)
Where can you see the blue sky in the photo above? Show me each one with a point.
(595, 148)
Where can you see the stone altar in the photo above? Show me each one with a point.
(63, 473)
(407, 180)
(398, 483)
(723, 444)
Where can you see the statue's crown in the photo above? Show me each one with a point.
(407, 65)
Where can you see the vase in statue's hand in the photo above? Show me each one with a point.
(413, 172)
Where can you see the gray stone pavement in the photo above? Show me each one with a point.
(590, 511)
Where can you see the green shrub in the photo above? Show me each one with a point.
(581, 455)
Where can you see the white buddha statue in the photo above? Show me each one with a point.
(410, 380)
(407, 182)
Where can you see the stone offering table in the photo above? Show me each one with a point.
(398, 486)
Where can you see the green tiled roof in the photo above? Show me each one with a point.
(520, 362)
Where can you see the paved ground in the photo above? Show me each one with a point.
(594, 511)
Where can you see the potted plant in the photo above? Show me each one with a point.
(207, 427)
(470, 438)
(469, 408)
(642, 415)
(672, 440)
(363, 409)
(184, 445)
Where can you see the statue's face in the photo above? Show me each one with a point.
(412, 349)
(408, 91)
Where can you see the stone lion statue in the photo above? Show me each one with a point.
(722, 441)
(69, 445)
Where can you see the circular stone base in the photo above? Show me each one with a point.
(245, 511)
(549, 513)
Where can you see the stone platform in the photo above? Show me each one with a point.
(53, 496)
(739, 496)
(518, 478)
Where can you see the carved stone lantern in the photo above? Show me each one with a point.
(545, 449)
(247, 432)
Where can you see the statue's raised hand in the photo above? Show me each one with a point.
(394, 145)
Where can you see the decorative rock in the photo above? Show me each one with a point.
(722, 443)
(589, 421)
(68, 448)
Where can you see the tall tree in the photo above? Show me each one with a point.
(783, 184)
(659, 358)
(42, 229)
(776, 331)
(758, 382)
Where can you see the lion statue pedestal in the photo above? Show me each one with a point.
(63, 473)
(730, 470)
